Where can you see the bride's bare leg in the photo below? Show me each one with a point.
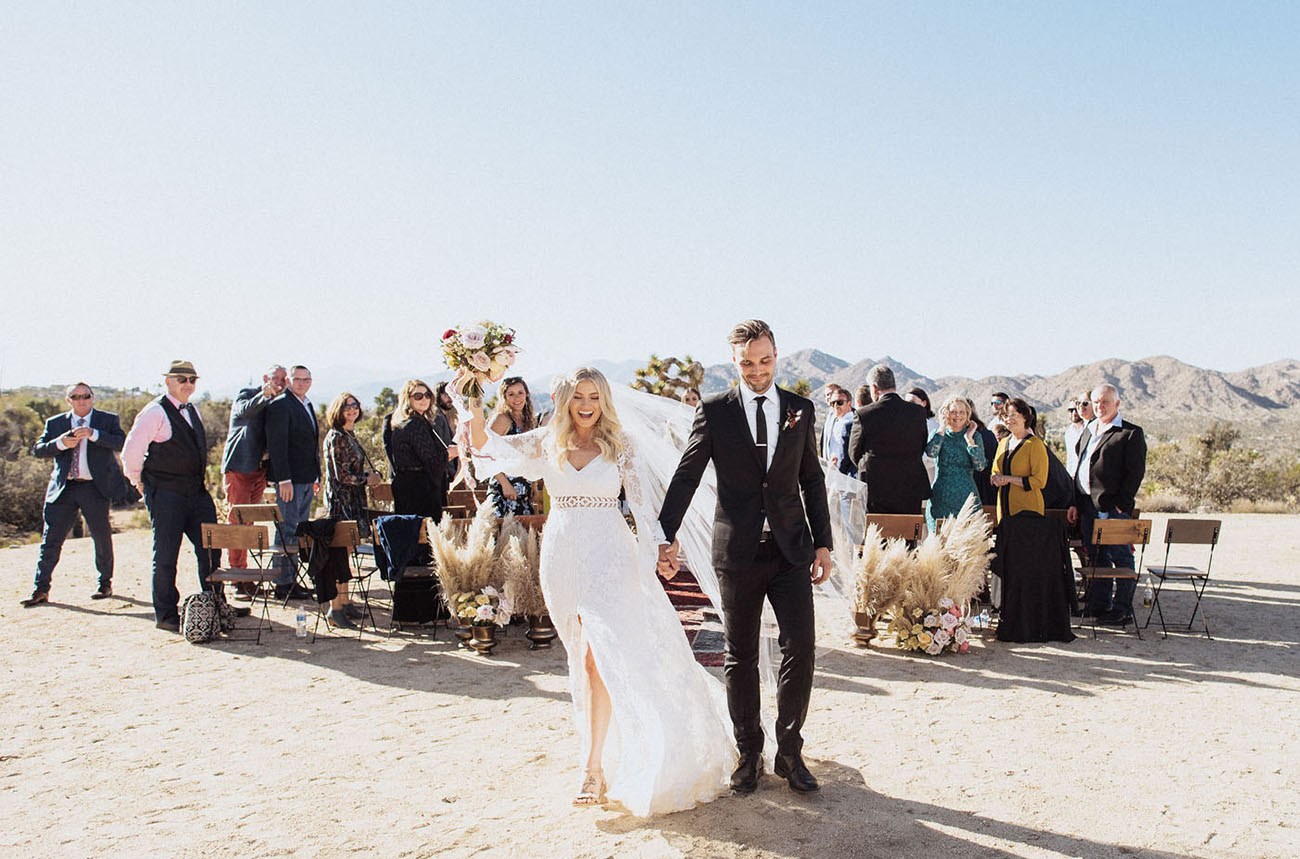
(599, 712)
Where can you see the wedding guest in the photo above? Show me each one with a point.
(1080, 415)
(514, 415)
(85, 480)
(166, 457)
(958, 453)
(862, 397)
(416, 455)
(293, 457)
(691, 397)
(997, 422)
(1112, 463)
(1020, 465)
(887, 442)
(447, 429)
(243, 460)
(347, 474)
(922, 399)
(989, 440)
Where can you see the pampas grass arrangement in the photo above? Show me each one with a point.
(968, 546)
(878, 578)
(519, 565)
(464, 560)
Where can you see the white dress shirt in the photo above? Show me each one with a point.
(83, 461)
(1098, 429)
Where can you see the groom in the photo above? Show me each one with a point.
(766, 540)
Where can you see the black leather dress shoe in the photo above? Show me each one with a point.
(37, 598)
(745, 777)
(1115, 617)
(104, 592)
(792, 769)
(169, 625)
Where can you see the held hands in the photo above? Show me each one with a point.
(821, 566)
(668, 564)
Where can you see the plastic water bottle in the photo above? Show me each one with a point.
(302, 622)
(1148, 596)
(984, 619)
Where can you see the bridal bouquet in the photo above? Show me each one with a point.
(484, 608)
(481, 352)
(942, 629)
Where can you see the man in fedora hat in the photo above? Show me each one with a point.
(86, 479)
(166, 457)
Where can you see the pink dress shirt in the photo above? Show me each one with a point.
(150, 425)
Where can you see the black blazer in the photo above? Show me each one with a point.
(887, 443)
(292, 442)
(791, 494)
(101, 455)
(1116, 467)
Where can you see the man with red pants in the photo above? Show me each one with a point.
(243, 462)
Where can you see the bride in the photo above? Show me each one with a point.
(652, 722)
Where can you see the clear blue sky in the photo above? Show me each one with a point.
(959, 185)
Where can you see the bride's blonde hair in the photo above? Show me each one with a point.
(608, 432)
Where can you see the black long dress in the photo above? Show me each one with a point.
(1033, 560)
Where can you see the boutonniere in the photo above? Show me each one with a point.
(792, 417)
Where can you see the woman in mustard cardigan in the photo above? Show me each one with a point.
(1020, 465)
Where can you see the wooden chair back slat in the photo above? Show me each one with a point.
(381, 493)
(250, 514)
(902, 526)
(248, 537)
(1198, 531)
(1121, 532)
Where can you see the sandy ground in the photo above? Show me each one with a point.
(120, 739)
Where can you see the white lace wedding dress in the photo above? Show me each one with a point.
(669, 745)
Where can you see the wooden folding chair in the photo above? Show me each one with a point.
(347, 536)
(422, 577)
(250, 514)
(252, 538)
(1116, 532)
(902, 526)
(1200, 532)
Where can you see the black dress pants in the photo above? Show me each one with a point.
(788, 587)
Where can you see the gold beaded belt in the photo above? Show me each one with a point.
(562, 502)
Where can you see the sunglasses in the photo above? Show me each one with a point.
(81, 396)
(352, 405)
(840, 402)
(186, 380)
(996, 402)
(421, 395)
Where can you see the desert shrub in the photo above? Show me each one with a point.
(1164, 502)
(1211, 471)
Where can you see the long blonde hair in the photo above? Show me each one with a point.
(608, 432)
(405, 409)
(528, 418)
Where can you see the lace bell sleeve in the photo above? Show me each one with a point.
(524, 455)
(636, 498)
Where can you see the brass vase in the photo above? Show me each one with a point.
(483, 639)
(464, 632)
(540, 631)
(866, 628)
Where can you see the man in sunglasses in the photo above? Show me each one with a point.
(1080, 414)
(86, 478)
(243, 461)
(166, 457)
(293, 451)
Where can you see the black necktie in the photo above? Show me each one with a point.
(760, 430)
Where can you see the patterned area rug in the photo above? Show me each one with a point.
(703, 630)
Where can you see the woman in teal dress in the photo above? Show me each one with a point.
(958, 453)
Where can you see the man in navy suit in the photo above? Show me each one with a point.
(293, 451)
(87, 477)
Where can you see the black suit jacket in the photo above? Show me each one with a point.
(101, 455)
(791, 494)
(1116, 467)
(887, 443)
(292, 441)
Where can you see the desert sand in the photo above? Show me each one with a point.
(118, 739)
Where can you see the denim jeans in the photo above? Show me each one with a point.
(1107, 594)
(295, 512)
(175, 516)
